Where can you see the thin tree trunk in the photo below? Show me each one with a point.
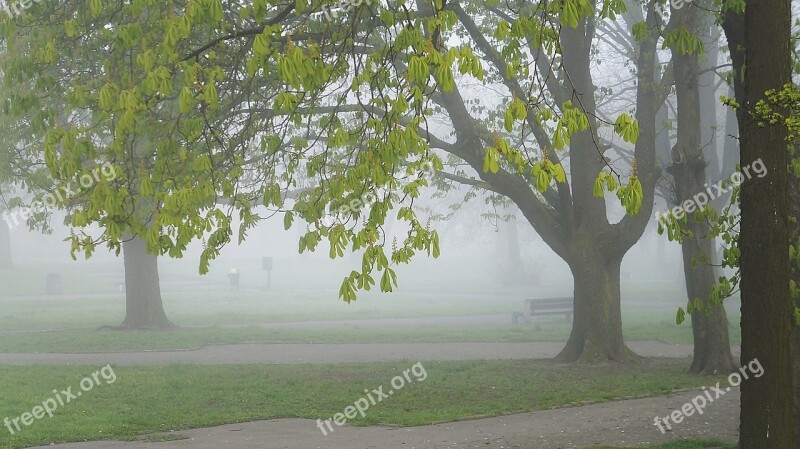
(708, 93)
(6, 261)
(712, 353)
(143, 306)
(512, 270)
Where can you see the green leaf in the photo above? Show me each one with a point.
(598, 187)
(388, 280)
(185, 100)
(95, 7)
(559, 173)
(490, 158)
(542, 180)
(680, 316)
(288, 217)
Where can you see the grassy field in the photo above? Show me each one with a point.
(637, 326)
(145, 400)
(211, 314)
(92, 299)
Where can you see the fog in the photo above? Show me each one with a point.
(477, 265)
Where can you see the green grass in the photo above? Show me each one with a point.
(193, 300)
(637, 326)
(220, 307)
(210, 308)
(145, 400)
(30, 280)
(216, 306)
(685, 444)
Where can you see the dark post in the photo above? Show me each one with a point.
(267, 265)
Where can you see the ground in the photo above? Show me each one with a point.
(617, 423)
(223, 331)
(624, 423)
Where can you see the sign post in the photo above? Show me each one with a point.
(266, 264)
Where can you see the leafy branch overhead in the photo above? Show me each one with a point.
(213, 112)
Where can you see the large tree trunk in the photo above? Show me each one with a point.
(767, 409)
(796, 355)
(712, 353)
(6, 261)
(730, 149)
(595, 249)
(597, 323)
(794, 238)
(143, 306)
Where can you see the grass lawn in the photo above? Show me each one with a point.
(145, 400)
(203, 301)
(214, 310)
(636, 326)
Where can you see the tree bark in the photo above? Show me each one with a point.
(707, 90)
(597, 323)
(712, 353)
(143, 306)
(762, 38)
(730, 149)
(796, 355)
(6, 261)
(794, 237)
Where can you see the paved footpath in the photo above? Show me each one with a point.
(293, 353)
(618, 423)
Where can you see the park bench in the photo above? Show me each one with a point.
(544, 306)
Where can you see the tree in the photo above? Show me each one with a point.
(759, 41)
(794, 239)
(79, 111)
(712, 352)
(197, 93)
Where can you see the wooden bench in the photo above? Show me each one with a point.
(544, 306)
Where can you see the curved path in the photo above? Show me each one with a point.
(293, 353)
(618, 423)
